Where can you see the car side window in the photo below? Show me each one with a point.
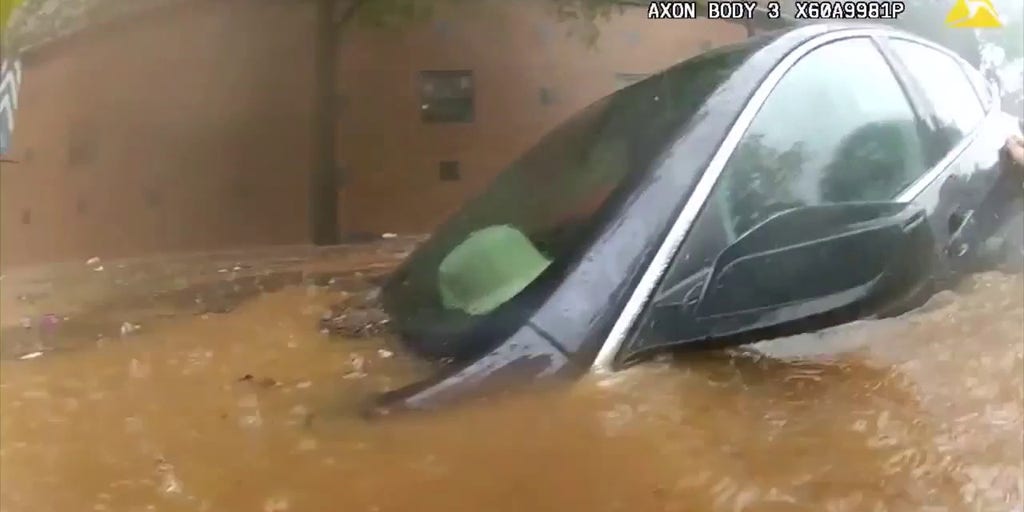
(953, 98)
(836, 128)
(981, 85)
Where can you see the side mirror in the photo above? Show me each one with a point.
(813, 260)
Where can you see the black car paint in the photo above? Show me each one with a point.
(566, 330)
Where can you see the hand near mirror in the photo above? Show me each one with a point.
(1015, 149)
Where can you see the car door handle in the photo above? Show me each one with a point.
(957, 219)
(957, 245)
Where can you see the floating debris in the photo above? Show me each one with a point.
(92, 262)
(389, 235)
(128, 328)
(30, 355)
(385, 353)
(48, 324)
(169, 482)
(354, 322)
(264, 382)
(358, 364)
(251, 416)
(278, 504)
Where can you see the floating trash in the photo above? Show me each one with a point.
(30, 355)
(250, 414)
(357, 362)
(384, 353)
(278, 504)
(129, 328)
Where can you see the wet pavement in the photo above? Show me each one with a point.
(206, 384)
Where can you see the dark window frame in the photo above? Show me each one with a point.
(447, 96)
(449, 170)
(939, 148)
(546, 96)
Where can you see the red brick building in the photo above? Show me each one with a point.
(189, 126)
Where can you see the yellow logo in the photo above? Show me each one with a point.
(973, 14)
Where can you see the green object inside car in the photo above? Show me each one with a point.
(490, 267)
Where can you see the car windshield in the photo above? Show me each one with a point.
(543, 208)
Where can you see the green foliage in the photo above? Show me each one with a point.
(581, 17)
(390, 13)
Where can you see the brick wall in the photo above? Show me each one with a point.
(179, 132)
(191, 130)
(391, 158)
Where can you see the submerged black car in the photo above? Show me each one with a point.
(797, 180)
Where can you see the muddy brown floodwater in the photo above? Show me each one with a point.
(220, 394)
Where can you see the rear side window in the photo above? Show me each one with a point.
(956, 105)
(836, 128)
(981, 85)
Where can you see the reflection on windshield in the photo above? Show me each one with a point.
(542, 209)
(870, 149)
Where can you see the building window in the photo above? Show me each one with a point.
(446, 96)
(547, 96)
(448, 170)
(627, 79)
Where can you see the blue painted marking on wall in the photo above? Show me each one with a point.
(10, 82)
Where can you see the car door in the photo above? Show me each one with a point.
(975, 193)
(821, 206)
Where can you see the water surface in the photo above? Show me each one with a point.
(236, 402)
